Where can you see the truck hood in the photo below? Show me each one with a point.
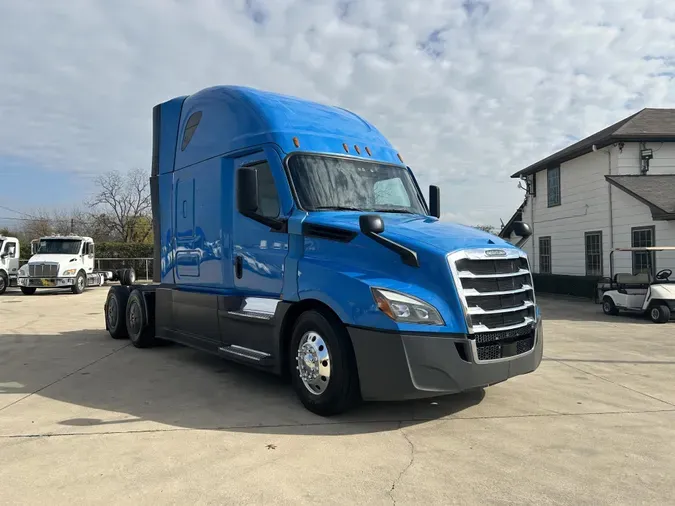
(409, 229)
(55, 258)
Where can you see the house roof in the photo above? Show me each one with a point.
(656, 191)
(507, 229)
(645, 125)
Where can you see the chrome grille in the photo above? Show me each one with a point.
(44, 270)
(498, 298)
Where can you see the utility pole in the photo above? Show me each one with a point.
(72, 225)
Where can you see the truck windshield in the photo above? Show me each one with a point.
(59, 246)
(328, 183)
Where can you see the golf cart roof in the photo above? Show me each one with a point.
(648, 248)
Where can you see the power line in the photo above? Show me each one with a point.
(15, 211)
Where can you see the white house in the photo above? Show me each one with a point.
(615, 188)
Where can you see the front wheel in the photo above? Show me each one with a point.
(80, 283)
(608, 306)
(323, 368)
(28, 290)
(4, 282)
(659, 313)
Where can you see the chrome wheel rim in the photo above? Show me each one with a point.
(313, 362)
(2, 283)
(655, 314)
(607, 308)
(80, 283)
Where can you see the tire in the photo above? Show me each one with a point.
(608, 306)
(141, 333)
(659, 313)
(115, 312)
(80, 283)
(4, 282)
(28, 290)
(326, 344)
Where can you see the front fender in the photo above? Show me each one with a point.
(348, 294)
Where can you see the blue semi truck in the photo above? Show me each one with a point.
(291, 236)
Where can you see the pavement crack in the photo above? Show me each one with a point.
(407, 467)
(64, 377)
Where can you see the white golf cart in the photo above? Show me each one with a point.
(641, 293)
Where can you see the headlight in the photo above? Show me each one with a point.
(69, 272)
(404, 308)
(23, 271)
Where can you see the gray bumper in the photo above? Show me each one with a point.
(46, 282)
(400, 366)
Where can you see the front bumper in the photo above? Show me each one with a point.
(46, 282)
(399, 366)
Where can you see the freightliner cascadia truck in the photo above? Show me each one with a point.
(291, 236)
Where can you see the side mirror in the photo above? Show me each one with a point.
(435, 201)
(247, 190)
(33, 248)
(371, 224)
(3, 255)
(522, 229)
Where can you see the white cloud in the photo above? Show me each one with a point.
(470, 91)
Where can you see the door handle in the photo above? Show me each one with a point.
(238, 266)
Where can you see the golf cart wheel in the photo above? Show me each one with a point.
(608, 306)
(659, 313)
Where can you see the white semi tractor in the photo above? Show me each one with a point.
(65, 262)
(9, 262)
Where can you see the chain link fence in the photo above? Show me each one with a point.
(142, 266)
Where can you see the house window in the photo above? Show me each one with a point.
(593, 253)
(553, 186)
(545, 255)
(643, 261)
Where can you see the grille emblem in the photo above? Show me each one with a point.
(495, 253)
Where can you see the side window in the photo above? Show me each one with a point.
(190, 127)
(268, 198)
(545, 255)
(91, 248)
(391, 192)
(11, 250)
(553, 183)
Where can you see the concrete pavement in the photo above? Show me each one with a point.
(87, 419)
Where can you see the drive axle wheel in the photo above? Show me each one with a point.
(115, 313)
(142, 334)
(659, 313)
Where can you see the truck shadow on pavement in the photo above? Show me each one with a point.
(111, 384)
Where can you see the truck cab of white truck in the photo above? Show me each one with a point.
(60, 262)
(9, 262)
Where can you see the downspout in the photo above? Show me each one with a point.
(611, 215)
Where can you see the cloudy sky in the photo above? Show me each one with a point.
(469, 91)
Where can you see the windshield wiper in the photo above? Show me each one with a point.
(394, 210)
(336, 208)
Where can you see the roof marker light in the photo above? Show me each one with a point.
(399, 157)
(346, 147)
(356, 148)
(296, 142)
(368, 151)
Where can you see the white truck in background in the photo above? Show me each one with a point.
(9, 262)
(65, 262)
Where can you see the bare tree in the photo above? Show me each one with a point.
(122, 204)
